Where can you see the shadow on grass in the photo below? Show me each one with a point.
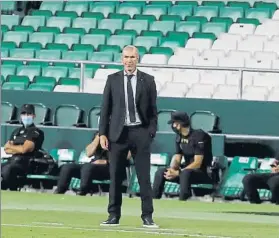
(255, 213)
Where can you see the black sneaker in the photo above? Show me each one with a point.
(111, 221)
(149, 223)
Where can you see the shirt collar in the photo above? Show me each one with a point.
(134, 73)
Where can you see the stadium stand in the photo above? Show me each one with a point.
(190, 33)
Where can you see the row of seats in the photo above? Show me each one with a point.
(73, 116)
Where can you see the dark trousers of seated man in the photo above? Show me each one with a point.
(186, 178)
(13, 172)
(252, 182)
(85, 172)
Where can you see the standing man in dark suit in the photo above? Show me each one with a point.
(128, 121)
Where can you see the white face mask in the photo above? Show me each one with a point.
(27, 120)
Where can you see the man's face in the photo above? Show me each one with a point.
(176, 126)
(130, 59)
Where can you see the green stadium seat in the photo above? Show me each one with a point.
(146, 41)
(268, 5)
(215, 27)
(84, 48)
(182, 37)
(75, 73)
(120, 40)
(54, 30)
(57, 46)
(131, 33)
(40, 87)
(8, 112)
(52, 6)
(54, 71)
(163, 117)
(14, 86)
(111, 24)
(115, 49)
(70, 30)
(7, 7)
(22, 53)
(105, 32)
(204, 120)
(129, 8)
(137, 25)
(213, 3)
(16, 37)
(258, 13)
(123, 17)
(102, 57)
(188, 3)
(30, 45)
(60, 22)
(18, 79)
(7, 70)
(93, 117)
(8, 45)
(49, 54)
(206, 11)
(155, 10)
(71, 15)
(67, 116)
(200, 19)
(244, 5)
(172, 43)
(161, 50)
(189, 27)
(85, 23)
(96, 15)
(232, 12)
(149, 18)
(205, 35)
(105, 9)
(34, 21)
(94, 40)
(69, 81)
(42, 114)
(67, 39)
(253, 21)
(10, 20)
(182, 11)
(42, 80)
(29, 70)
(28, 29)
(227, 20)
(41, 37)
(72, 55)
(63, 156)
(163, 26)
(78, 7)
(174, 18)
(231, 186)
(168, 4)
(45, 13)
(157, 34)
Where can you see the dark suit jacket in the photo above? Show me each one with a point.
(113, 110)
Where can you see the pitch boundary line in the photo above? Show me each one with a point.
(125, 230)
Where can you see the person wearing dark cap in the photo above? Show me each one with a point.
(24, 143)
(195, 147)
(253, 182)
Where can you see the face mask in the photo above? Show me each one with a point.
(27, 120)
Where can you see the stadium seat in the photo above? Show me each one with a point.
(201, 91)
(199, 44)
(189, 27)
(10, 20)
(93, 118)
(129, 8)
(8, 112)
(66, 88)
(67, 116)
(78, 7)
(155, 10)
(226, 92)
(232, 12)
(60, 22)
(111, 24)
(14, 86)
(206, 11)
(7, 70)
(242, 29)
(40, 87)
(94, 40)
(52, 6)
(163, 26)
(29, 70)
(16, 37)
(171, 89)
(137, 25)
(84, 23)
(55, 71)
(255, 93)
(22, 53)
(154, 59)
(146, 41)
(205, 120)
(94, 86)
(205, 61)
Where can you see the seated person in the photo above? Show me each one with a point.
(195, 146)
(252, 182)
(96, 169)
(24, 144)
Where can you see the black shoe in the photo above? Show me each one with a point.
(111, 221)
(149, 223)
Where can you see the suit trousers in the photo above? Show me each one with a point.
(186, 179)
(138, 141)
(86, 172)
(252, 182)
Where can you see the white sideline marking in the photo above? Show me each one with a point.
(127, 230)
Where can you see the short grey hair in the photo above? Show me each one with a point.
(130, 47)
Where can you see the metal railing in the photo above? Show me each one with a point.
(83, 63)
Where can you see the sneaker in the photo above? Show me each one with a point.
(149, 223)
(111, 221)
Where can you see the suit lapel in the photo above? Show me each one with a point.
(139, 86)
(121, 85)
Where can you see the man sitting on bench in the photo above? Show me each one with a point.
(195, 146)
